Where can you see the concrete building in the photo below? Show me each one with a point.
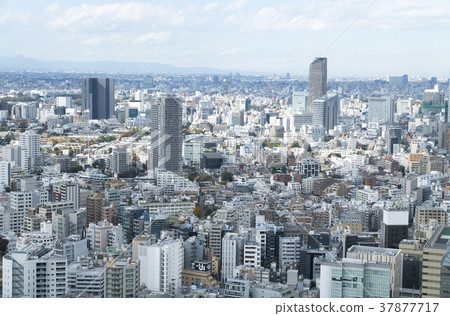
(85, 278)
(382, 255)
(433, 254)
(355, 278)
(34, 272)
(289, 250)
(122, 279)
(166, 137)
(317, 81)
(98, 97)
(394, 227)
(119, 161)
(381, 110)
(232, 254)
(326, 112)
(30, 145)
(161, 266)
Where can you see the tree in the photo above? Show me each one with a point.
(283, 169)
(227, 176)
(307, 147)
(130, 201)
(295, 144)
(198, 211)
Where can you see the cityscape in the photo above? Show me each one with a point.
(206, 183)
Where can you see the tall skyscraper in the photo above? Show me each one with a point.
(30, 143)
(166, 137)
(317, 81)
(98, 97)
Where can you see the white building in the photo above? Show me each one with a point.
(232, 254)
(84, 278)
(32, 272)
(252, 254)
(161, 265)
(381, 109)
(31, 150)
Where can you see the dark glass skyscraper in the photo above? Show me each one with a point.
(317, 81)
(166, 136)
(98, 97)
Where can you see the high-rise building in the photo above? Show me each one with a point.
(317, 81)
(98, 97)
(161, 266)
(381, 110)
(326, 112)
(34, 271)
(166, 136)
(31, 150)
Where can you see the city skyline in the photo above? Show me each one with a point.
(229, 36)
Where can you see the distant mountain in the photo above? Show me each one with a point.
(20, 62)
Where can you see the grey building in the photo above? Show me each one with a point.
(326, 112)
(166, 137)
(98, 97)
(381, 110)
(317, 81)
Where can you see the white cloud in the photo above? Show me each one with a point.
(210, 6)
(121, 15)
(233, 6)
(154, 38)
(51, 8)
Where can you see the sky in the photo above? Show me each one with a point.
(392, 37)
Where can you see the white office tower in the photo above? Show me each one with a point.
(161, 266)
(5, 173)
(34, 271)
(299, 101)
(232, 254)
(381, 110)
(31, 150)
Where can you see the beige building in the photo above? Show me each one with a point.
(433, 252)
